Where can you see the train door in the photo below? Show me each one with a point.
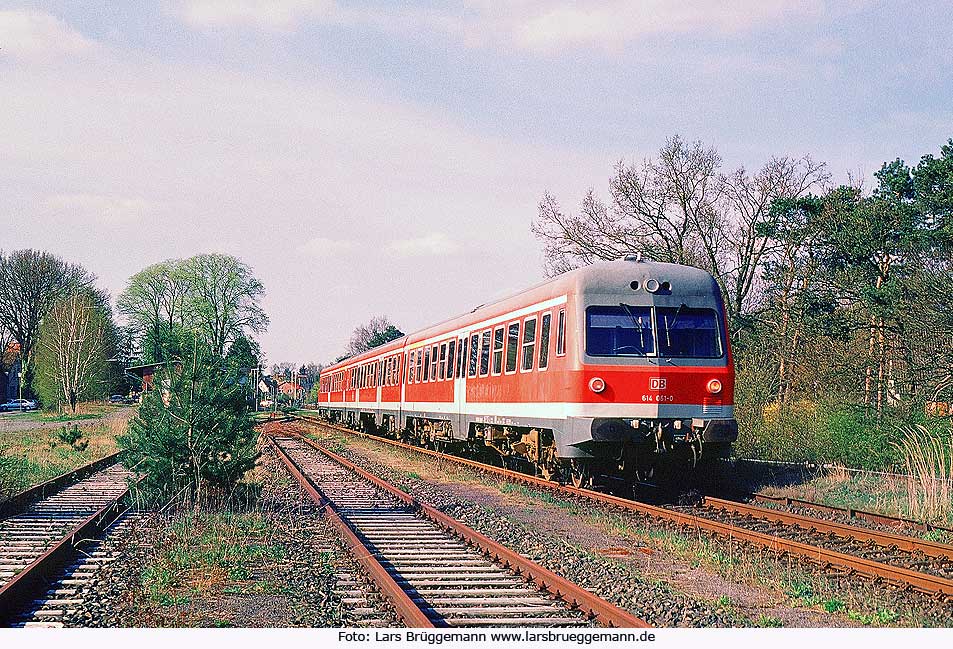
(460, 386)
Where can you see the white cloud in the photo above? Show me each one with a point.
(539, 26)
(100, 207)
(324, 247)
(269, 14)
(38, 35)
(435, 243)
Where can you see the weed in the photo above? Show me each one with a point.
(768, 621)
(833, 605)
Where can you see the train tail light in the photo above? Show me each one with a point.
(714, 386)
(596, 384)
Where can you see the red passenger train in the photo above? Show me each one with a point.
(618, 367)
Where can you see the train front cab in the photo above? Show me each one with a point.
(656, 378)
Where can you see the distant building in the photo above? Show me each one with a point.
(291, 389)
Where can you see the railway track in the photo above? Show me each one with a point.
(896, 523)
(42, 530)
(435, 571)
(903, 561)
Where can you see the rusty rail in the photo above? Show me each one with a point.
(849, 512)
(908, 543)
(876, 571)
(575, 596)
(32, 494)
(25, 584)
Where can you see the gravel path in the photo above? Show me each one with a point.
(10, 423)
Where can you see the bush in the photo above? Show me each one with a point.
(193, 435)
(808, 431)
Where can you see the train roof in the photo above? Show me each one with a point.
(602, 277)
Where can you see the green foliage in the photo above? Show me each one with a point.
(214, 295)
(194, 431)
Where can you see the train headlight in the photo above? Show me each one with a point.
(596, 384)
(651, 285)
(714, 386)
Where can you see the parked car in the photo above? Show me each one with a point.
(18, 404)
(117, 398)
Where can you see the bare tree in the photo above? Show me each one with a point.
(73, 350)
(375, 333)
(680, 208)
(31, 281)
(667, 209)
(749, 218)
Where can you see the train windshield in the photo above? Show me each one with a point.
(687, 333)
(619, 331)
(670, 332)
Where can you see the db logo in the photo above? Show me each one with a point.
(656, 383)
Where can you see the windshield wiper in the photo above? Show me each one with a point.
(669, 327)
(637, 324)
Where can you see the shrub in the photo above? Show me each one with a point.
(193, 434)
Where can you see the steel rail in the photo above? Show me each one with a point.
(850, 512)
(409, 612)
(23, 585)
(876, 571)
(32, 494)
(575, 596)
(907, 543)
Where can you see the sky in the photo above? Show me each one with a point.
(385, 157)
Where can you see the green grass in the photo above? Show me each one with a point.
(211, 553)
(30, 457)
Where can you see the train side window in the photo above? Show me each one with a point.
(433, 363)
(474, 355)
(461, 357)
(400, 369)
(512, 346)
(442, 368)
(426, 365)
(410, 367)
(420, 356)
(561, 333)
(544, 340)
(451, 357)
(498, 338)
(485, 353)
(529, 344)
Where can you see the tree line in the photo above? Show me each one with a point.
(193, 320)
(837, 296)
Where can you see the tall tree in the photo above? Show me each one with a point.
(75, 344)
(680, 208)
(152, 303)
(375, 333)
(222, 299)
(31, 281)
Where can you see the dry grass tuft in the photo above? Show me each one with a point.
(928, 460)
